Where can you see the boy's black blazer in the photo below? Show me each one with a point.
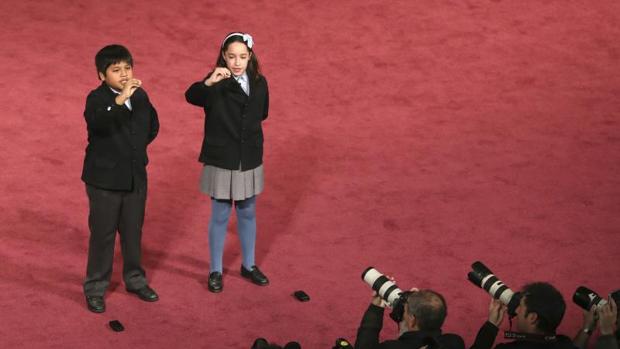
(232, 131)
(117, 138)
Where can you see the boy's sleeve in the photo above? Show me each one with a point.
(198, 93)
(99, 114)
(154, 124)
(153, 118)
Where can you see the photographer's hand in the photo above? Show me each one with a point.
(378, 301)
(608, 315)
(589, 324)
(496, 312)
(589, 319)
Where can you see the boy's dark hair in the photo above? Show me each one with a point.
(429, 309)
(112, 54)
(252, 70)
(547, 302)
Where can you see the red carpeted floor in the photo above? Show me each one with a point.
(414, 136)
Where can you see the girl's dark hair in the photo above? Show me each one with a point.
(253, 69)
(112, 54)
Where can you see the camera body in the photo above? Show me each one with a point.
(482, 277)
(388, 291)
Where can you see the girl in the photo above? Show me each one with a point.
(235, 99)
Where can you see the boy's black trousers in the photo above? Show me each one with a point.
(112, 211)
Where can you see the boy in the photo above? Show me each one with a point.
(121, 122)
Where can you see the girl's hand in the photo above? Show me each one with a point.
(219, 74)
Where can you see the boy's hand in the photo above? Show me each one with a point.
(128, 89)
(219, 74)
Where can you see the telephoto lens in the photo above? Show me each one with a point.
(380, 283)
(482, 277)
(586, 298)
(388, 291)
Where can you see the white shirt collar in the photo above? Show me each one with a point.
(242, 77)
(127, 102)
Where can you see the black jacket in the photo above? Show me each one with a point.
(117, 139)
(372, 322)
(609, 341)
(488, 332)
(232, 131)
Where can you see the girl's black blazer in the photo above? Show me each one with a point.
(233, 134)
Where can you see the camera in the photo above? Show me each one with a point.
(586, 298)
(482, 277)
(387, 290)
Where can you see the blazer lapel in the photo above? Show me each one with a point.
(235, 90)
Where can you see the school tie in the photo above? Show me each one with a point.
(244, 84)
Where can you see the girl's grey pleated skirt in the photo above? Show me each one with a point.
(234, 185)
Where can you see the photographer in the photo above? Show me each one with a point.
(420, 327)
(538, 315)
(606, 315)
(262, 343)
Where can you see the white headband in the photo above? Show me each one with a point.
(247, 38)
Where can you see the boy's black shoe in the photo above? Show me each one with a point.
(255, 275)
(145, 293)
(215, 282)
(96, 304)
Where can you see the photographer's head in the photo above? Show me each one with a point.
(540, 310)
(425, 310)
(262, 343)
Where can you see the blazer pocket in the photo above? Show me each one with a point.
(216, 141)
(105, 162)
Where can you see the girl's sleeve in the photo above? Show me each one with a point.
(266, 107)
(198, 94)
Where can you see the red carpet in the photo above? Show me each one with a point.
(414, 136)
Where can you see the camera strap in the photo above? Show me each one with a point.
(540, 338)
